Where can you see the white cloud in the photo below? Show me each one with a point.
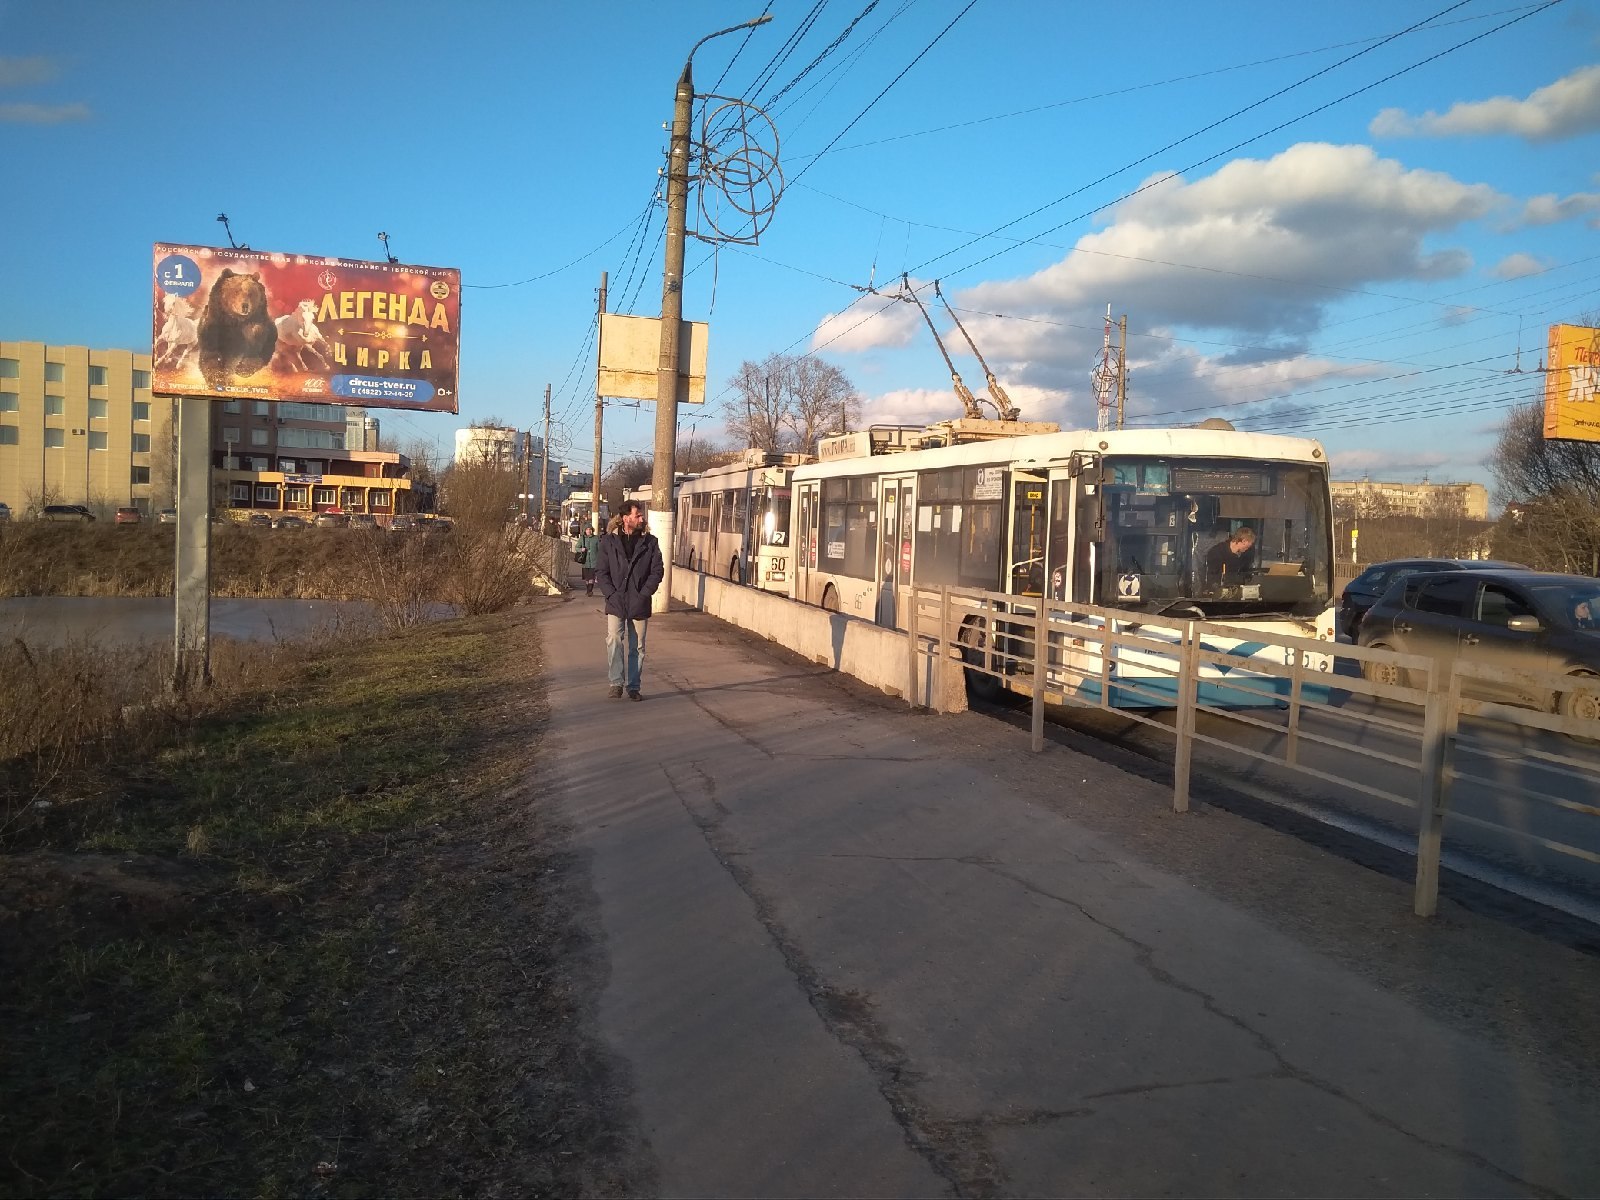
(1518, 266)
(25, 72)
(42, 114)
(874, 322)
(1550, 209)
(1388, 465)
(1566, 108)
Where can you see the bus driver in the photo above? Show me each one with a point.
(1229, 560)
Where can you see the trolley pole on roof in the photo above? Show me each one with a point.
(672, 312)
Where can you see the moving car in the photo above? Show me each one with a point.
(289, 521)
(259, 520)
(66, 512)
(1362, 592)
(1512, 619)
(332, 520)
(126, 516)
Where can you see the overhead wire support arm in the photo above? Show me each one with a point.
(968, 400)
(1001, 401)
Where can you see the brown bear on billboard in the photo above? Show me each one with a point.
(236, 335)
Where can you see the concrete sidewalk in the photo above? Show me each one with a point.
(855, 950)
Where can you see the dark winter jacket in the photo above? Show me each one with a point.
(628, 586)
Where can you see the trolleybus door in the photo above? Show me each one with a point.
(896, 506)
(1025, 550)
(804, 537)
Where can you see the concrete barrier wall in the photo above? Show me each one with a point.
(874, 655)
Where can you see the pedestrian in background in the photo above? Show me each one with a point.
(589, 547)
(629, 572)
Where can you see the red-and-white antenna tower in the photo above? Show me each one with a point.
(1104, 379)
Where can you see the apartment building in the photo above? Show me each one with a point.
(79, 426)
(1470, 500)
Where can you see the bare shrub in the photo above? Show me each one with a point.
(489, 568)
(399, 575)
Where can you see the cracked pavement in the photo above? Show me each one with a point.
(856, 950)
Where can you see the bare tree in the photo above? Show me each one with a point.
(635, 470)
(1551, 489)
(785, 403)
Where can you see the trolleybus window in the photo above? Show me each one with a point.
(732, 512)
(849, 526)
(958, 526)
(775, 521)
(1161, 521)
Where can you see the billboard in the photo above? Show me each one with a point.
(1572, 384)
(630, 351)
(232, 322)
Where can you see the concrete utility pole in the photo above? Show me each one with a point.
(672, 313)
(599, 412)
(527, 477)
(192, 565)
(544, 465)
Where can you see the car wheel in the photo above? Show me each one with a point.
(830, 598)
(1388, 674)
(733, 570)
(1582, 701)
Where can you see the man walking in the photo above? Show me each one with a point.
(628, 574)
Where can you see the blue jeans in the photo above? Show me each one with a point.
(625, 649)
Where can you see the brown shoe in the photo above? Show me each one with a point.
(635, 696)
(616, 692)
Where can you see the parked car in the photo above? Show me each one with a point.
(1512, 619)
(66, 512)
(289, 521)
(332, 520)
(402, 523)
(363, 521)
(1362, 592)
(258, 521)
(167, 516)
(125, 516)
(5, 512)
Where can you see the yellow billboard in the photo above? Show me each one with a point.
(630, 352)
(1572, 384)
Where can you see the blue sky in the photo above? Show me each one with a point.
(1350, 221)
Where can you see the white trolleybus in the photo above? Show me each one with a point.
(1127, 520)
(733, 521)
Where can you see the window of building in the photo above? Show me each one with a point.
(258, 437)
(10, 368)
(99, 409)
(55, 406)
(55, 439)
(311, 439)
(141, 410)
(141, 443)
(8, 435)
(141, 379)
(140, 475)
(231, 406)
(261, 408)
(55, 372)
(333, 414)
(325, 495)
(8, 402)
(240, 493)
(266, 493)
(351, 500)
(230, 434)
(97, 377)
(296, 496)
(380, 501)
(314, 467)
(97, 439)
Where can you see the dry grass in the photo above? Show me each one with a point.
(316, 937)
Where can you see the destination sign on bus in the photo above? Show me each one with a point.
(1235, 483)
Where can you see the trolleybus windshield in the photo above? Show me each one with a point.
(1231, 537)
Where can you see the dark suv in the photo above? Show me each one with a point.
(1362, 592)
(1514, 620)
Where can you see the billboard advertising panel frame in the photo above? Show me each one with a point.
(230, 322)
(1572, 384)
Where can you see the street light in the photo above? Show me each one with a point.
(672, 312)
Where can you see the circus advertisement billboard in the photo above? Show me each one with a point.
(1572, 384)
(233, 322)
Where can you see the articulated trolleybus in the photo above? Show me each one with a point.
(1134, 520)
(733, 520)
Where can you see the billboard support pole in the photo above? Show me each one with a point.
(191, 589)
(599, 414)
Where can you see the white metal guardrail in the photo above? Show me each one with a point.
(1098, 658)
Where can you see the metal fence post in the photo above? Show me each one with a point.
(911, 649)
(942, 648)
(1291, 750)
(1440, 714)
(1188, 692)
(1041, 668)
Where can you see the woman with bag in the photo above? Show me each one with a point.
(587, 554)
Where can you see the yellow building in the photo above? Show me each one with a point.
(1469, 500)
(79, 426)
